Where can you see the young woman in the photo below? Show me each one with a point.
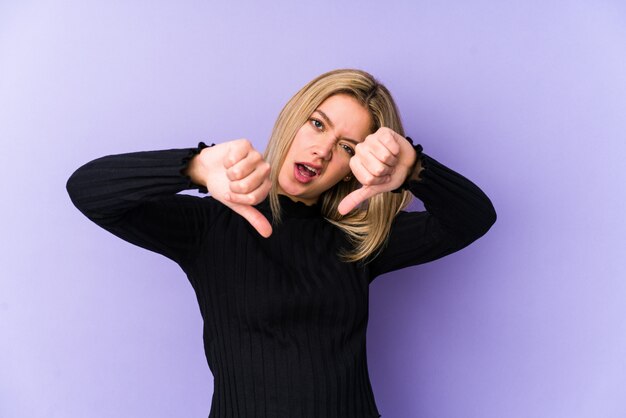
(281, 253)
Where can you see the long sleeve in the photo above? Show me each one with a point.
(457, 213)
(134, 196)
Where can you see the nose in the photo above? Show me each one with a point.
(324, 148)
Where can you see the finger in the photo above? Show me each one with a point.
(255, 218)
(237, 151)
(375, 166)
(384, 150)
(390, 140)
(252, 181)
(252, 198)
(244, 167)
(363, 175)
(355, 198)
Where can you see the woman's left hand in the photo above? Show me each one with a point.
(381, 163)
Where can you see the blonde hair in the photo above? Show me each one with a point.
(367, 226)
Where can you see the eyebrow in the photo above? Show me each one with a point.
(330, 123)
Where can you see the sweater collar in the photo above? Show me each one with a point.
(290, 208)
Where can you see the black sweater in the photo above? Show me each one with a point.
(284, 319)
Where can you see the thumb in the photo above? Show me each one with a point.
(255, 218)
(355, 198)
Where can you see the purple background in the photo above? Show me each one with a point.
(526, 99)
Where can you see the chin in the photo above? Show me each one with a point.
(288, 189)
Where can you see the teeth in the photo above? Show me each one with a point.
(311, 169)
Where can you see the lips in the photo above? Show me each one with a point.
(305, 172)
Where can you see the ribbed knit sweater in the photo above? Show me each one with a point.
(285, 319)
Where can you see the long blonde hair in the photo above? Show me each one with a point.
(368, 226)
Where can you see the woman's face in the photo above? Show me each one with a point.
(320, 152)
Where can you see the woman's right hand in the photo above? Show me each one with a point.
(236, 175)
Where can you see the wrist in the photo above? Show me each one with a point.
(415, 169)
(194, 169)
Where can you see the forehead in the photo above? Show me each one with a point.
(347, 116)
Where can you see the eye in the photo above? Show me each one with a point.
(317, 124)
(347, 148)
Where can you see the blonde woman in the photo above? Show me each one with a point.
(282, 252)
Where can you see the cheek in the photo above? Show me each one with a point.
(298, 140)
(283, 171)
(345, 164)
(340, 171)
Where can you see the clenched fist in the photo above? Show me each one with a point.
(381, 163)
(236, 175)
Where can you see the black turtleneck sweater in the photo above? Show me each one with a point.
(284, 319)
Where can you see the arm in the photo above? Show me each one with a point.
(134, 196)
(457, 213)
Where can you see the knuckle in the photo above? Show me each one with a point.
(238, 198)
(234, 187)
(250, 199)
(255, 155)
(367, 179)
(241, 199)
(244, 186)
(236, 173)
(244, 144)
(370, 137)
(264, 169)
(258, 195)
(384, 131)
(229, 160)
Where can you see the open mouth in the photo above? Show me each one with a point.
(305, 173)
(306, 170)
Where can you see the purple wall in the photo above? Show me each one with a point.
(529, 101)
